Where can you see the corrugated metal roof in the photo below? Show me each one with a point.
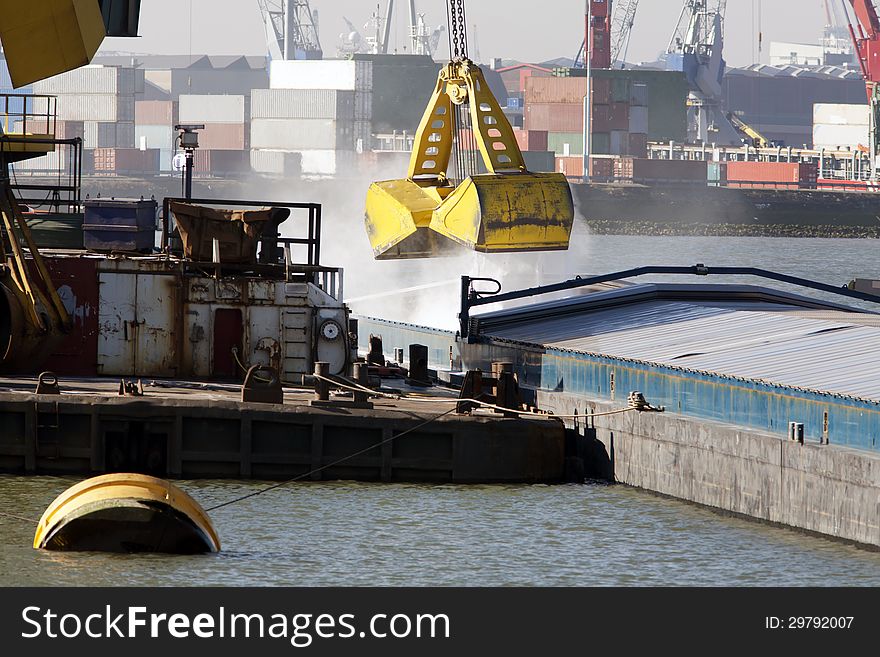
(824, 349)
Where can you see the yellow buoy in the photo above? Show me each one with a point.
(126, 513)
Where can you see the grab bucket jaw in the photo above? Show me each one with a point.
(508, 213)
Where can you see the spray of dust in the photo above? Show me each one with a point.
(423, 292)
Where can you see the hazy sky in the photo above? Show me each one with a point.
(521, 29)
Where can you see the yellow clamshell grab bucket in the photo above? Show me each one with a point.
(508, 209)
(126, 513)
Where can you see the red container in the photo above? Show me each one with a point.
(618, 117)
(223, 137)
(601, 169)
(572, 166)
(640, 170)
(221, 162)
(126, 160)
(555, 90)
(772, 175)
(154, 112)
(531, 140)
(554, 117)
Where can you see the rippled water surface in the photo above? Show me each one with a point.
(364, 534)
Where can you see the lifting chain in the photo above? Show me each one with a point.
(457, 30)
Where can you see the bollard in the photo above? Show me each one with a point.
(376, 355)
(362, 376)
(418, 366)
(322, 386)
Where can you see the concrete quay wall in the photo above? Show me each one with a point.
(825, 489)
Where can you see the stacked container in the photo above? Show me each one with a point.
(772, 175)
(154, 129)
(313, 119)
(103, 98)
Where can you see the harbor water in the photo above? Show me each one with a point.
(353, 534)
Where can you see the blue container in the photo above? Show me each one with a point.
(120, 225)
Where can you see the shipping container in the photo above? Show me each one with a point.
(619, 142)
(601, 169)
(540, 161)
(638, 119)
(223, 137)
(532, 140)
(302, 134)
(717, 174)
(363, 136)
(555, 90)
(282, 163)
(102, 80)
(841, 114)
(195, 109)
(155, 136)
(363, 106)
(667, 94)
(640, 170)
(772, 175)
(841, 137)
(566, 143)
(302, 104)
(126, 161)
(154, 112)
(554, 117)
(220, 163)
(600, 143)
(639, 95)
(90, 107)
(620, 89)
(638, 145)
(116, 135)
(570, 166)
(346, 75)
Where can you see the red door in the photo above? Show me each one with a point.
(228, 335)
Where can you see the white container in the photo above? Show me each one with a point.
(302, 104)
(840, 136)
(91, 107)
(301, 134)
(154, 136)
(840, 114)
(326, 162)
(94, 80)
(50, 162)
(342, 74)
(90, 134)
(638, 120)
(276, 162)
(211, 109)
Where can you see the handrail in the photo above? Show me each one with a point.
(470, 300)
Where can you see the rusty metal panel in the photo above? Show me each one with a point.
(76, 280)
(197, 339)
(116, 322)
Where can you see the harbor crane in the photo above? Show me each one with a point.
(865, 33)
(612, 26)
(445, 201)
(696, 49)
(291, 29)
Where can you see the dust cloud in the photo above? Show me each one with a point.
(423, 292)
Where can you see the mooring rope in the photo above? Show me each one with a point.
(22, 518)
(329, 465)
(636, 402)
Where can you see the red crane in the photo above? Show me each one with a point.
(599, 21)
(867, 42)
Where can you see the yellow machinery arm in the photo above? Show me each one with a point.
(504, 210)
(42, 38)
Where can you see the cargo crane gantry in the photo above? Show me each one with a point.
(867, 45)
(508, 209)
(612, 26)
